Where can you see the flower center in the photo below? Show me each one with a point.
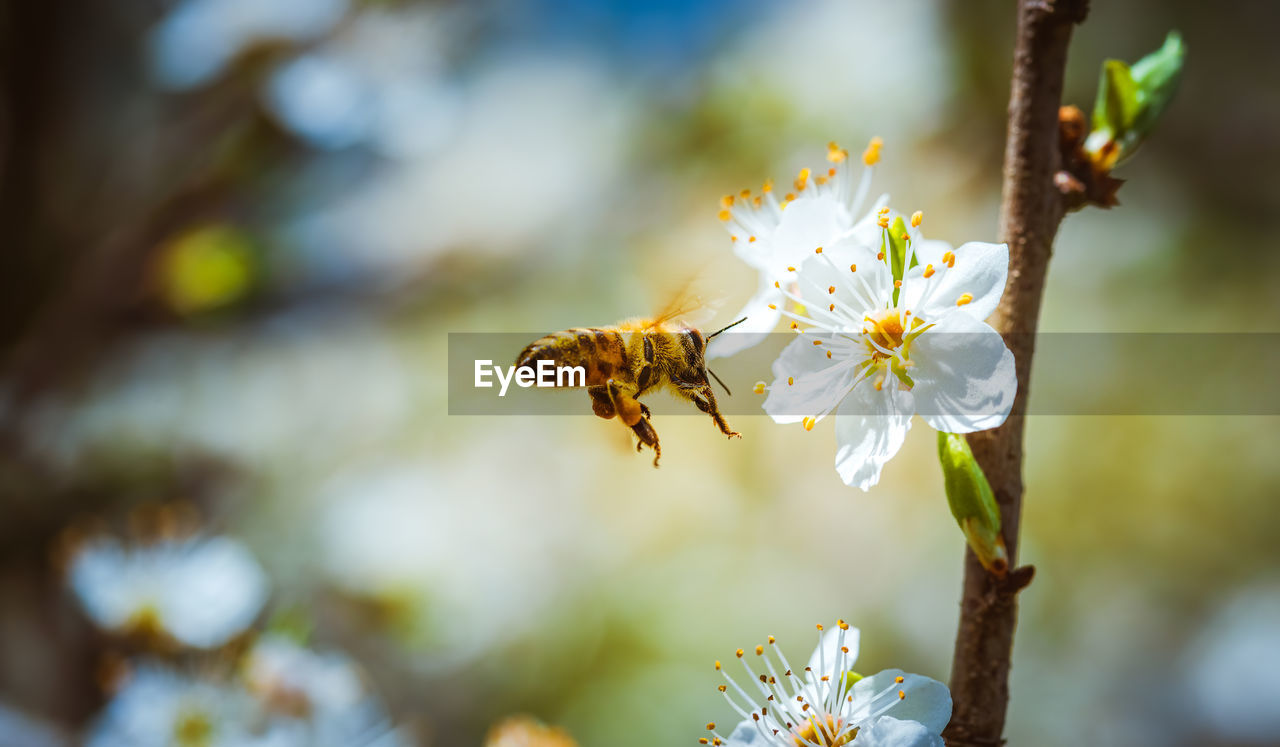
(884, 328)
(827, 735)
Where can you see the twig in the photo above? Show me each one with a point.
(1031, 210)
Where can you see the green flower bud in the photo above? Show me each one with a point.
(972, 503)
(1131, 100)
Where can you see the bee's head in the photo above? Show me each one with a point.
(696, 352)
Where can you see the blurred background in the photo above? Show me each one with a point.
(237, 232)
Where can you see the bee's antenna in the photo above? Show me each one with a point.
(718, 331)
(717, 378)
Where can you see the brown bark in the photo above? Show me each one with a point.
(1031, 210)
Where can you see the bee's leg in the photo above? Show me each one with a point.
(648, 437)
(601, 404)
(705, 399)
(635, 415)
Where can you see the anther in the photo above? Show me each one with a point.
(767, 187)
(843, 625)
(831, 289)
(717, 665)
(794, 325)
(773, 306)
(828, 354)
(791, 269)
(759, 650)
(776, 284)
(853, 267)
(740, 652)
(819, 626)
(772, 640)
(902, 695)
(733, 238)
(917, 218)
(791, 380)
(759, 387)
(880, 256)
(818, 250)
(871, 156)
(835, 153)
(881, 211)
(817, 342)
(831, 307)
(724, 216)
(808, 423)
(711, 725)
(928, 271)
(744, 194)
(726, 201)
(751, 239)
(964, 299)
(949, 259)
(897, 284)
(899, 680)
(722, 688)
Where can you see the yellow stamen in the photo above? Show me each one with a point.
(949, 259)
(767, 187)
(744, 194)
(773, 306)
(853, 267)
(759, 387)
(917, 218)
(817, 342)
(964, 299)
(831, 289)
(818, 250)
(835, 153)
(928, 271)
(828, 354)
(880, 256)
(871, 156)
(751, 239)
(725, 215)
(759, 650)
(791, 380)
(726, 201)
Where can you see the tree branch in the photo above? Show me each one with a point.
(1031, 210)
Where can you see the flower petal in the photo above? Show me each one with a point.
(891, 732)
(927, 700)
(824, 658)
(980, 271)
(870, 428)
(806, 382)
(761, 320)
(964, 375)
(808, 223)
(746, 733)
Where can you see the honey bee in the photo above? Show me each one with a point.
(632, 358)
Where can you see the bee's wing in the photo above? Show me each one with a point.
(687, 306)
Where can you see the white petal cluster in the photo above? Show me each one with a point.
(774, 235)
(201, 591)
(827, 703)
(877, 346)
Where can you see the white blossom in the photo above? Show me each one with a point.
(881, 340)
(199, 591)
(828, 704)
(773, 236)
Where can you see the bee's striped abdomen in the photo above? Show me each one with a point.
(601, 352)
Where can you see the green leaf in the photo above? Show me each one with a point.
(1131, 99)
(972, 503)
(1157, 76)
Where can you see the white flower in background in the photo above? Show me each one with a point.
(774, 236)
(893, 328)
(827, 703)
(294, 680)
(161, 708)
(199, 591)
(317, 699)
